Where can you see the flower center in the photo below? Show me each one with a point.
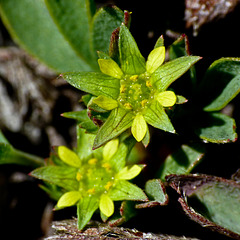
(96, 178)
(135, 92)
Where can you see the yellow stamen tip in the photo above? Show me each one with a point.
(92, 161)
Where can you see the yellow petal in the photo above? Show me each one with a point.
(110, 149)
(105, 102)
(155, 59)
(139, 127)
(68, 156)
(68, 199)
(167, 98)
(129, 173)
(110, 68)
(106, 205)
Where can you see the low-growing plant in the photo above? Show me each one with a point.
(128, 98)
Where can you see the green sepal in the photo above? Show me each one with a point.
(221, 83)
(118, 121)
(124, 190)
(85, 209)
(167, 73)
(156, 116)
(159, 42)
(83, 120)
(182, 161)
(64, 177)
(220, 129)
(94, 82)
(132, 61)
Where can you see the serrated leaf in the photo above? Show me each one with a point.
(124, 190)
(156, 116)
(85, 209)
(42, 37)
(167, 73)
(118, 121)
(221, 83)
(219, 129)
(132, 61)
(74, 19)
(94, 83)
(104, 22)
(61, 176)
(182, 161)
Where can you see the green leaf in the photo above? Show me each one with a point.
(10, 155)
(182, 161)
(85, 209)
(64, 177)
(104, 22)
(222, 201)
(94, 83)
(68, 199)
(156, 116)
(221, 83)
(132, 61)
(118, 121)
(124, 190)
(219, 129)
(156, 192)
(170, 71)
(68, 156)
(74, 19)
(211, 201)
(31, 26)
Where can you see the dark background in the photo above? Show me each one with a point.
(23, 204)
